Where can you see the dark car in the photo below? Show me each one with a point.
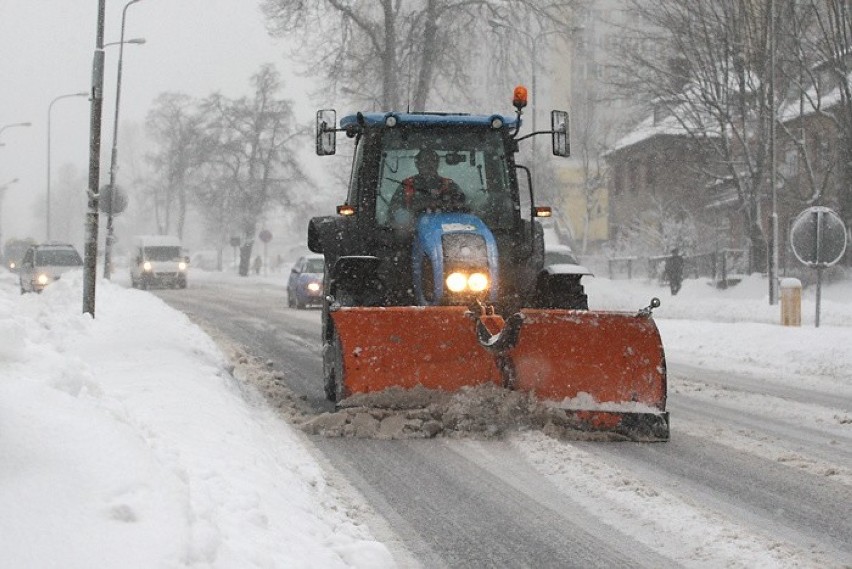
(304, 287)
(43, 264)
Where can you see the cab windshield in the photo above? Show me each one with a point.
(475, 159)
(315, 266)
(58, 258)
(162, 253)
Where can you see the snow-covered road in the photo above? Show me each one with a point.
(760, 454)
(130, 441)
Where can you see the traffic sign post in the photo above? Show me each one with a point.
(818, 239)
(265, 236)
(235, 242)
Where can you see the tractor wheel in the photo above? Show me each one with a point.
(332, 366)
(561, 291)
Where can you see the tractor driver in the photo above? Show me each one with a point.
(426, 191)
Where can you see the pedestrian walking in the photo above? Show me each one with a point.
(674, 271)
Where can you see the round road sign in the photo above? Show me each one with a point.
(116, 200)
(265, 236)
(818, 237)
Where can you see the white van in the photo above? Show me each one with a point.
(158, 260)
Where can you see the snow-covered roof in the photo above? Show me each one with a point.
(429, 119)
(157, 241)
(669, 125)
(792, 111)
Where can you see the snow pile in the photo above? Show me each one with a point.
(132, 446)
(483, 411)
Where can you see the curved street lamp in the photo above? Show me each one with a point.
(4, 127)
(533, 39)
(114, 155)
(49, 109)
(137, 41)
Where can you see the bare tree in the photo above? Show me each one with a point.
(711, 70)
(176, 127)
(821, 67)
(253, 145)
(402, 53)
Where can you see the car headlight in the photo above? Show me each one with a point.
(181, 266)
(313, 287)
(42, 279)
(461, 282)
(12, 265)
(146, 266)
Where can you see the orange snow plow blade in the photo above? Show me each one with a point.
(613, 357)
(409, 346)
(602, 371)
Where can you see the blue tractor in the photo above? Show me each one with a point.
(442, 284)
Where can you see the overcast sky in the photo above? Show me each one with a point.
(46, 47)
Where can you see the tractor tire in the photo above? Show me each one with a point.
(332, 367)
(561, 291)
(576, 298)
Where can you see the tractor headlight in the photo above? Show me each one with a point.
(313, 287)
(477, 282)
(146, 266)
(42, 279)
(181, 266)
(461, 282)
(456, 282)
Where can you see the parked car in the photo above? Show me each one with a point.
(14, 251)
(559, 255)
(306, 281)
(42, 264)
(560, 258)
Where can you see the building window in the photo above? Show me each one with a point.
(790, 168)
(618, 180)
(634, 178)
(651, 175)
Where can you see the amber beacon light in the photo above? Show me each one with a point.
(519, 99)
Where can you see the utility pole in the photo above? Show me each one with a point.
(113, 164)
(90, 260)
(773, 260)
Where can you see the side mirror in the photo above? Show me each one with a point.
(326, 140)
(560, 126)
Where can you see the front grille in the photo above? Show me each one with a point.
(464, 249)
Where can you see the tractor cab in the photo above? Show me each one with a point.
(475, 154)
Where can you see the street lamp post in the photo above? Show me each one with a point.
(49, 109)
(114, 155)
(533, 43)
